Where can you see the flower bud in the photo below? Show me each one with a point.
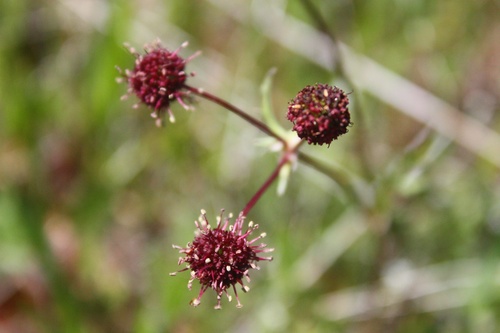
(319, 113)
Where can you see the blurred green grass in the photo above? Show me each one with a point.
(92, 195)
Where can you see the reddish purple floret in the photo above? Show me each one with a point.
(221, 257)
(319, 113)
(158, 79)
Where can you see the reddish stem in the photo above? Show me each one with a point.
(265, 186)
(255, 122)
(290, 152)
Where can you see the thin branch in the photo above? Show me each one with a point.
(265, 186)
(255, 122)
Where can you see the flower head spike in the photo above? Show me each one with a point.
(221, 257)
(319, 113)
(158, 79)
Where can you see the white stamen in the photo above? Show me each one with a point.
(171, 117)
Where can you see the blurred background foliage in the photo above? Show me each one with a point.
(397, 229)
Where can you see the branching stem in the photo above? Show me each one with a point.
(255, 122)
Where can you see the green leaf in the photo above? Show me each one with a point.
(267, 111)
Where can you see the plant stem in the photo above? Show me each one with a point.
(284, 159)
(255, 122)
(289, 155)
(340, 68)
(331, 173)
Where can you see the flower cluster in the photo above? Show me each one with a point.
(158, 79)
(319, 113)
(221, 257)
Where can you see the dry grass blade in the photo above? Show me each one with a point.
(375, 79)
(432, 288)
(423, 106)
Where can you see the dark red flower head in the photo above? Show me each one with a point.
(221, 257)
(158, 78)
(319, 113)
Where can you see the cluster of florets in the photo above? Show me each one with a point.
(158, 79)
(319, 113)
(221, 257)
